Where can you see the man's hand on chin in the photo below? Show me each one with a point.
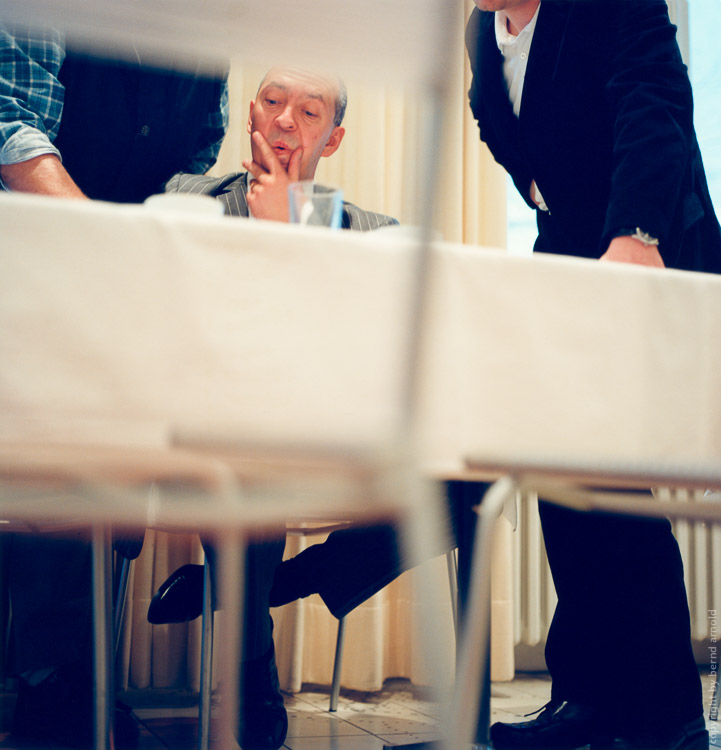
(268, 191)
(630, 250)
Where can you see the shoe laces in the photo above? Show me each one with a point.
(553, 706)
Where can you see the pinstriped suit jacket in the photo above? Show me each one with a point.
(231, 188)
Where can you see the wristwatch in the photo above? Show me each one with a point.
(637, 234)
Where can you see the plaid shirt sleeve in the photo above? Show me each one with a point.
(211, 136)
(31, 97)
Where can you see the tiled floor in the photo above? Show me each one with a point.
(398, 715)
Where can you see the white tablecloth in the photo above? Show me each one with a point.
(127, 324)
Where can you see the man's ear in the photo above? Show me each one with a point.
(249, 126)
(333, 141)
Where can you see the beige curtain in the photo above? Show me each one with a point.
(379, 167)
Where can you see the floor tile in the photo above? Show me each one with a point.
(306, 701)
(382, 726)
(358, 742)
(398, 740)
(389, 709)
(316, 724)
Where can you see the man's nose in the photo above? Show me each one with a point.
(285, 119)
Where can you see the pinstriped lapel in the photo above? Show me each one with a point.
(233, 196)
(242, 189)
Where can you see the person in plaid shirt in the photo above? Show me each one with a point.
(79, 127)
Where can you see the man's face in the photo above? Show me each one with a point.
(295, 108)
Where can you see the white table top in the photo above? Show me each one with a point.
(125, 325)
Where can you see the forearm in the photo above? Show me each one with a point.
(31, 103)
(43, 175)
(630, 250)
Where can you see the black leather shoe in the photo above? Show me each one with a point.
(264, 721)
(180, 598)
(560, 726)
(693, 736)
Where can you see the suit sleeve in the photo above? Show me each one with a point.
(212, 134)
(650, 102)
(173, 184)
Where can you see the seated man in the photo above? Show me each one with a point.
(293, 122)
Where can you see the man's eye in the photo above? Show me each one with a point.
(271, 102)
(311, 114)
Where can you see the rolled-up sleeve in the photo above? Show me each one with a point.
(31, 97)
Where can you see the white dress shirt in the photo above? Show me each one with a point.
(515, 51)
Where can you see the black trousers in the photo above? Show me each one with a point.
(353, 564)
(620, 637)
(50, 590)
(262, 557)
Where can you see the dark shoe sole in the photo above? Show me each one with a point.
(180, 597)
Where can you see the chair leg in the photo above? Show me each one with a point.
(470, 705)
(206, 664)
(452, 563)
(120, 598)
(337, 663)
(102, 577)
(340, 639)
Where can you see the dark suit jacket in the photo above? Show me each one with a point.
(230, 190)
(605, 129)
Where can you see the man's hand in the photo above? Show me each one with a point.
(268, 191)
(44, 174)
(630, 250)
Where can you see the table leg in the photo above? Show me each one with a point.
(102, 575)
(475, 509)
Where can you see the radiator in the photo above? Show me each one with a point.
(700, 545)
(535, 597)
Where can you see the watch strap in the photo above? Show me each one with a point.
(637, 234)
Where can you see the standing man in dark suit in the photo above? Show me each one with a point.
(588, 106)
(290, 130)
